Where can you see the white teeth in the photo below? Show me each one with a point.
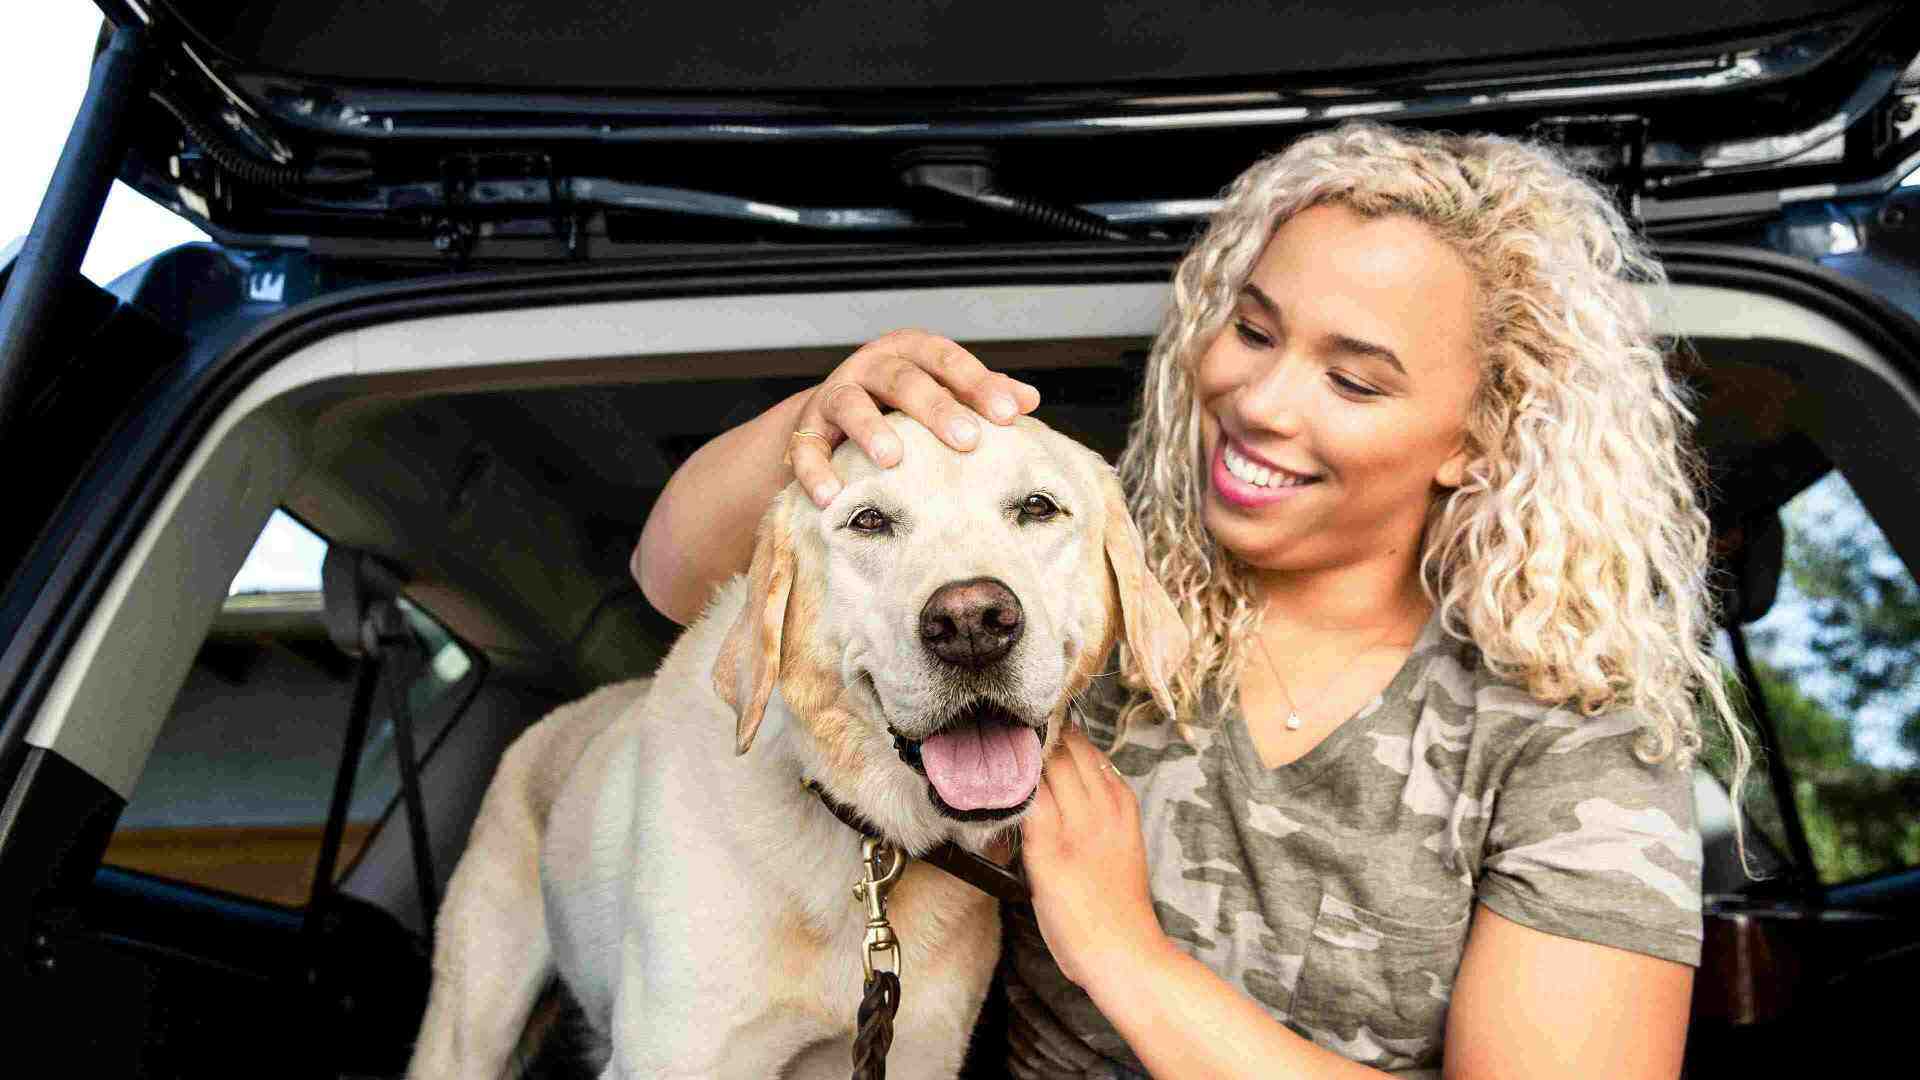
(1258, 475)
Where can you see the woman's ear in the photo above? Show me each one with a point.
(1452, 471)
(1154, 632)
(748, 663)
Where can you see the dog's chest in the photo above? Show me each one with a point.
(949, 934)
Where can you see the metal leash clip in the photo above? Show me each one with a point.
(874, 853)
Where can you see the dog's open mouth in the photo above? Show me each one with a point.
(983, 762)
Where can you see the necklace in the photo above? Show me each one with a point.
(1293, 711)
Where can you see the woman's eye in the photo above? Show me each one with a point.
(869, 520)
(1038, 508)
(1251, 334)
(1352, 387)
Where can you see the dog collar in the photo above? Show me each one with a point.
(980, 872)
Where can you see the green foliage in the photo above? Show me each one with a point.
(1865, 609)
(1860, 821)
(1862, 652)
(1859, 817)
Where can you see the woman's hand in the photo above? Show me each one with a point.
(1087, 865)
(929, 378)
(700, 530)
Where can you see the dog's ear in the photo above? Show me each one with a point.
(1154, 632)
(749, 659)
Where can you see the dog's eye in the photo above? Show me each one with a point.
(1038, 508)
(869, 520)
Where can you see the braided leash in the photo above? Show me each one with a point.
(881, 865)
(874, 1033)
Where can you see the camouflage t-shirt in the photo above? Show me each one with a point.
(1336, 889)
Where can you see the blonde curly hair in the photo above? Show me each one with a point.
(1574, 555)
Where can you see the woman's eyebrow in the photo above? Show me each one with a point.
(1341, 342)
(1367, 348)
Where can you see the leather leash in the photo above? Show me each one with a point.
(882, 863)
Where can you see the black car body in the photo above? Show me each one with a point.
(482, 275)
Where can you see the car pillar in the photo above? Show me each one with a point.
(50, 256)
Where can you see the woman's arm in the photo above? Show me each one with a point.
(1525, 1003)
(1531, 1004)
(700, 530)
(1182, 1020)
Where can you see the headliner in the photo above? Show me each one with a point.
(598, 47)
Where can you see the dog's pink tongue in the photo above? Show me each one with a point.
(983, 766)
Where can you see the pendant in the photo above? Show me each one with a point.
(1293, 721)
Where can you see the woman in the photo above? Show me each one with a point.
(1413, 469)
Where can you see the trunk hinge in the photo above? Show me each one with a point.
(453, 230)
(510, 191)
(1610, 148)
(567, 226)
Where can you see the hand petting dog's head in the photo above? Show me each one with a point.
(928, 627)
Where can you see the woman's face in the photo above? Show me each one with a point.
(1335, 400)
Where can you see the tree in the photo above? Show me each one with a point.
(1856, 611)
(1865, 612)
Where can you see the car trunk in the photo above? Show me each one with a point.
(702, 244)
(500, 438)
(427, 134)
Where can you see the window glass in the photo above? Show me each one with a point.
(236, 792)
(286, 558)
(1838, 658)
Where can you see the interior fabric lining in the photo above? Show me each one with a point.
(116, 684)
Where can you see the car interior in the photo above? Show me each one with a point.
(500, 464)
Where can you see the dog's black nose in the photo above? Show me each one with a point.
(971, 623)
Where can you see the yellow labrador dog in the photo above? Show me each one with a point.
(912, 649)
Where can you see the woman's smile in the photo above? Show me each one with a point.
(1247, 481)
(1339, 386)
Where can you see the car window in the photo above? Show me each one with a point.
(236, 792)
(1838, 660)
(285, 558)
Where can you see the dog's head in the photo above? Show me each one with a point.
(928, 628)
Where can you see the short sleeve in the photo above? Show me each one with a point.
(1588, 842)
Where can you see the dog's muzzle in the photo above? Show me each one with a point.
(982, 763)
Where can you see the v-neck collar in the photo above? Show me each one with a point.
(1246, 754)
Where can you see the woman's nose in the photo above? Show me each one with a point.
(1274, 397)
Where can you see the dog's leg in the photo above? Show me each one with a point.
(492, 955)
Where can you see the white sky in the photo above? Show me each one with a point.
(286, 558)
(46, 53)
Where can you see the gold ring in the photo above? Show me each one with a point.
(826, 393)
(803, 433)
